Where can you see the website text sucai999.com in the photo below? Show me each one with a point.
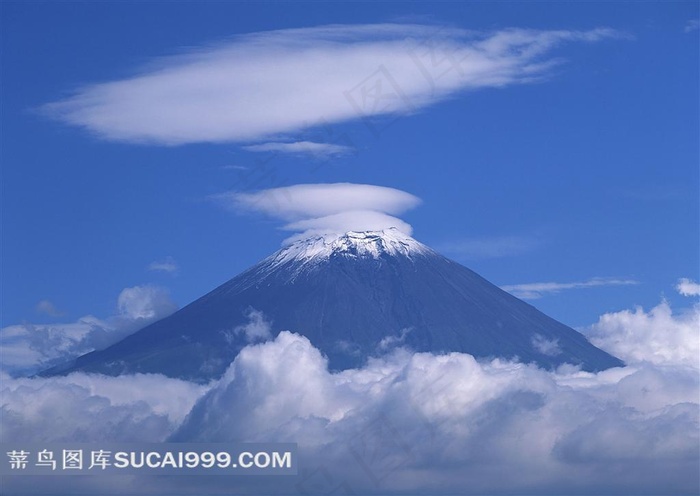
(140, 458)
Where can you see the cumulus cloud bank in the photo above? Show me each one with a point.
(93, 408)
(657, 336)
(319, 209)
(410, 423)
(258, 86)
(450, 424)
(30, 348)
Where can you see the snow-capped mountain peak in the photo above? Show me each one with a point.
(348, 294)
(360, 244)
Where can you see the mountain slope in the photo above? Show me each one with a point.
(353, 296)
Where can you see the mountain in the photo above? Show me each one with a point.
(354, 296)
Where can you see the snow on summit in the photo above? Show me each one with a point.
(362, 244)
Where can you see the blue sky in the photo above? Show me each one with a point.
(576, 165)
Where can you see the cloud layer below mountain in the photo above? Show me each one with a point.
(418, 423)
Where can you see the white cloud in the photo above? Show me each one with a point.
(328, 208)
(686, 287)
(549, 347)
(262, 85)
(167, 265)
(145, 303)
(535, 290)
(428, 424)
(30, 348)
(657, 336)
(310, 148)
(489, 247)
(318, 200)
(258, 328)
(692, 25)
(48, 308)
(390, 342)
(404, 423)
(354, 220)
(93, 408)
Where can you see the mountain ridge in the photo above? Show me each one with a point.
(349, 293)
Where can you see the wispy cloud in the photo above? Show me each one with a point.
(309, 148)
(686, 287)
(392, 341)
(535, 290)
(691, 25)
(258, 327)
(653, 192)
(318, 209)
(546, 346)
(168, 265)
(48, 308)
(489, 247)
(258, 86)
(29, 348)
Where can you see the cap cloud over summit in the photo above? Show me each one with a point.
(333, 209)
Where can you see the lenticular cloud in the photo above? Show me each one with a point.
(321, 209)
(258, 86)
(407, 423)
